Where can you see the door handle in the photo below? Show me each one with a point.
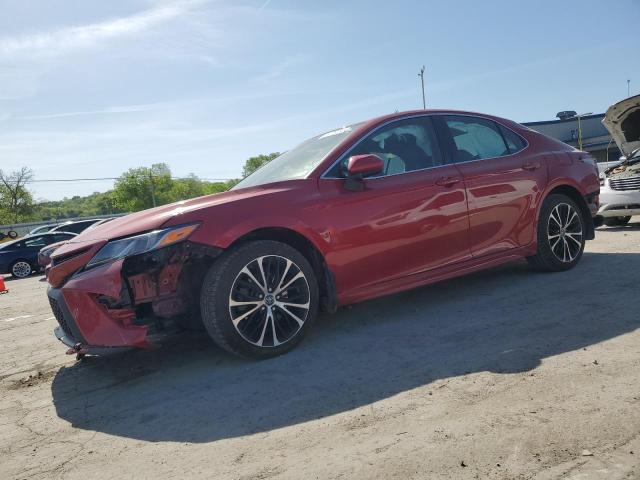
(531, 166)
(447, 181)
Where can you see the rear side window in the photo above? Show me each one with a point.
(62, 236)
(514, 141)
(77, 227)
(474, 138)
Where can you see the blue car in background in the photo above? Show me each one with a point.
(20, 257)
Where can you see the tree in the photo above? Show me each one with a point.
(140, 188)
(254, 163)
(136, 189)
(16, 202)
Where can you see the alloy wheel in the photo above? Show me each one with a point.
(269, 301)
(564, 232)
(21, 269)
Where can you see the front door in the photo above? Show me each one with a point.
(410, 218)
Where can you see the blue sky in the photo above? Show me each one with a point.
(92, 88)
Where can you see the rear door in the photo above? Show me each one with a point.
(503, 180)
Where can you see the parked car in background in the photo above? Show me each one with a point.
(41, 229)
(20, 257)
(75, 227)
(620, 183)
(362, 211)
(44, 255)
(100, 222)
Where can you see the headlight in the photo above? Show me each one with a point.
(146, 242)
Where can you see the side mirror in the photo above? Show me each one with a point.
(360, 166)
(363, 165)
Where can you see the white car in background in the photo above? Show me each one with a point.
(620, 183)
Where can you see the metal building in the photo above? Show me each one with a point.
(595, 137)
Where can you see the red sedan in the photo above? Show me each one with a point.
(366, 210)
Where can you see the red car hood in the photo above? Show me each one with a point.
(153, 218)
(92, 239)
(140, 222)
(148, 220)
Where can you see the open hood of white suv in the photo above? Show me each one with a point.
(623, 122)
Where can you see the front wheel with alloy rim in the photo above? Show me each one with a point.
(21, 269)
(259, 299)
(561, 235)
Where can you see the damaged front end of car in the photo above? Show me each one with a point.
(620, 183)
(128, 292)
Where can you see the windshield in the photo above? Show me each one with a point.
(299, 161)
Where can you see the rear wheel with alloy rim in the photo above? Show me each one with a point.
(21, 269)
(560, 235)
(259, 299)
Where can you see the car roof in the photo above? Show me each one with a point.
(45, 234)
(367, 125)
(410, 113)
(73, 222)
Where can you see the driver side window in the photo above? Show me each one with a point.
(35, 242)
(404, 146)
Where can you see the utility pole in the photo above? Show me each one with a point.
(421, 75)
(580, 128)
(153, 192)
(628, 90)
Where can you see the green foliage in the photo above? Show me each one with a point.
(95, 204)
(16, 201)
(136, 189)
(254, 163)
(140, 188)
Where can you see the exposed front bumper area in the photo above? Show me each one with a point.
(83, 326)
(127, 303)
(80, 349)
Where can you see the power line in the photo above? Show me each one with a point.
(98, 179)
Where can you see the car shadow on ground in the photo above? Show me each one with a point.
(503, 320)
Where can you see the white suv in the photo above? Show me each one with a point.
(620, 183)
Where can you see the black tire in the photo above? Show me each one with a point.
(12, 234)
(21, 268)
(616, 221)
(553, 256)
(265, 328)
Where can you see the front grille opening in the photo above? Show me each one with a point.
(625, 184)
(57, 312)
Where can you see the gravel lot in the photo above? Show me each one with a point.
(505, 374)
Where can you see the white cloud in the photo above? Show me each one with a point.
(104, 111)
(71, 38)
(276, 70)
(265, 5)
